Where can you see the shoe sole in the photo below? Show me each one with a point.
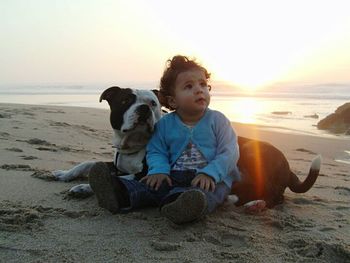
(188, 207)
(101, 183)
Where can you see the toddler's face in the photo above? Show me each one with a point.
(191, 94)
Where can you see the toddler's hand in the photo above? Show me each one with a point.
(155, 180)
(204, 182)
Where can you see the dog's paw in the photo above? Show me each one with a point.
(254, 207)
(61, 175)
(80, 191)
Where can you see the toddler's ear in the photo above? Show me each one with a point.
(171, 102)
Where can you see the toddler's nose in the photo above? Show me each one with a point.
(198, 89)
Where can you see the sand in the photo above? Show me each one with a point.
(40, 222)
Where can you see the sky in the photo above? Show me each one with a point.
(251, 44)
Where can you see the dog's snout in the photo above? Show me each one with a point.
(144, 112)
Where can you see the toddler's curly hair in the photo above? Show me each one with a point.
(174, 67)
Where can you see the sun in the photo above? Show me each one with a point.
(249, 74)
(250, 80)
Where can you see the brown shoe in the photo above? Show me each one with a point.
(108, 190)
(189, 206)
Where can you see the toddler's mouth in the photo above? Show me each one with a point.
(201, 100)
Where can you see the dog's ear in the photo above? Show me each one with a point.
(156, 92)
(109, 93)
(165, 106)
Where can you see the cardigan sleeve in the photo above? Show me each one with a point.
(227, 154)
(157, 155)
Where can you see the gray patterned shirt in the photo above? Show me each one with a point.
(191, 158)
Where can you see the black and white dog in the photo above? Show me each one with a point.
(133, 116)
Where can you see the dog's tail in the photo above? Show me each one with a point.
(301, 187)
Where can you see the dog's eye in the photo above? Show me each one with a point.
(153, 103)
(125, 101)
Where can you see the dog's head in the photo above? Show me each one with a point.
(133, 116)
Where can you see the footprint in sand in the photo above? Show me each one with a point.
(86, 128)
(65, 124)
(4, 135)
(59, 124)
(291, 222)
(37, 141)
(327, 229)
(44, 175)
(24, 157)
(320, 250)
(17, 167)
(18, 218)
(46, 149)
(14, 217)
(18, 150)
(235, 256)
(305, 151)
(308, 201)
(226, 240)
(43, 143)
(342, 190)
(341, 174)
(51, 147)
(165, 246)
(5, 116)
(302, 201)
(342, 208)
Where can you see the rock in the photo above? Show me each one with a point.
(281, 112)
(337, 122)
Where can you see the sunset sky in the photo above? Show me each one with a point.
(246, 43)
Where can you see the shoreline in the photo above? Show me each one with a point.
(40, 222)
(274, 128)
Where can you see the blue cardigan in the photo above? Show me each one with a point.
(212, 135)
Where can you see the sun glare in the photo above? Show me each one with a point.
(248, 110)
(247, 78)
(242, 110)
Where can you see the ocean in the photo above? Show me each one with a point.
(291, 110)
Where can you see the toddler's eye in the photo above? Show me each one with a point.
(188, 86)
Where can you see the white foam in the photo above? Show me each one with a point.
(346, 159)
(342, 161)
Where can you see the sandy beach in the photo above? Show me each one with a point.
(40, 222)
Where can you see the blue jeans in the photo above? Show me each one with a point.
(142, 196)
